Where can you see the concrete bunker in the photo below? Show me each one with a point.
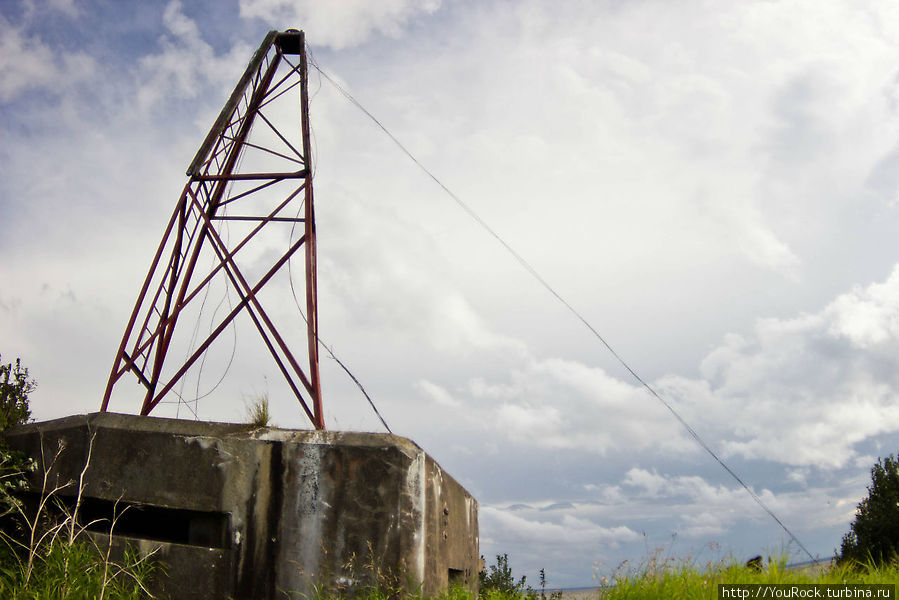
(247, 513)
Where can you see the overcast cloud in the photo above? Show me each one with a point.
(714, 186)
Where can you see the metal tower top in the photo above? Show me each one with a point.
(253, 170)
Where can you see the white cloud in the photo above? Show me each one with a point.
(702, 526)
(339, 24)
(401, 286)
(803, 391)
(868, 317)
(68, 7)
(186, 63)
(36, 9)
(437, 393)
(667, 505)
(569, 529)
(561, 404)
(27, 64)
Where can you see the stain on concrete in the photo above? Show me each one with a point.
(305, 511)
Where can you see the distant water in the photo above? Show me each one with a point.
(581, 593)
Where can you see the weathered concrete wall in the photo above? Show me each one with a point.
(266, 513)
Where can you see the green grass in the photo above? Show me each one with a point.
(44, 551)
(72, 571)
(659, 579)
(258, 413)
(670, 580)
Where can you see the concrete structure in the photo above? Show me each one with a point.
(252, 513)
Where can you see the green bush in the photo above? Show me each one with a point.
(14, 389)
(874, 535)
(15, 385)
(498, 583)
(498, 579)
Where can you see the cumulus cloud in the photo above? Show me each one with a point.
(400, 286)
(37, 8)
(339, 24)
(565, 529)
(803, 391)
(868, 317)
(28, 64)
(186, 63)
(702, 526)
(652, 486)
(650, 507)
(564, 404)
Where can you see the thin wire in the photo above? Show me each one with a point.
(296, 301)
(198, 396)
(190, 348)
(226, 297)
(322, 343)
(179, 402)
(311, 128)
(530, 269)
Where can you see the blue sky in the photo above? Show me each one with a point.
(713, 186)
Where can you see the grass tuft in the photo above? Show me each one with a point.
(258, 413)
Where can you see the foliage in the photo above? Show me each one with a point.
(14, 389)
(534, 594)
(498, 580)
(874, 535)
(498, 583)
(258, 413)
(14, 469)
(15, 386)
(688, 580)
(665, 580)
(73, 572)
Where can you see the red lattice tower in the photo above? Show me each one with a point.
(225, 176)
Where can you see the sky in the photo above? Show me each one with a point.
(713, 186)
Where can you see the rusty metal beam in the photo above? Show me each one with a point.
(193, 232)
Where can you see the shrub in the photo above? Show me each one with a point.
(874, 535)
(498, 580)
(14, 408)
(499, 583)
(15, 385)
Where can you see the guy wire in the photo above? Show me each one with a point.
(530, 269)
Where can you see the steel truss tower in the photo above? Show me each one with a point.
(231, 183)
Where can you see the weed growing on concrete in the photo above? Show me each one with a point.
(364, 577)
(258, 413)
